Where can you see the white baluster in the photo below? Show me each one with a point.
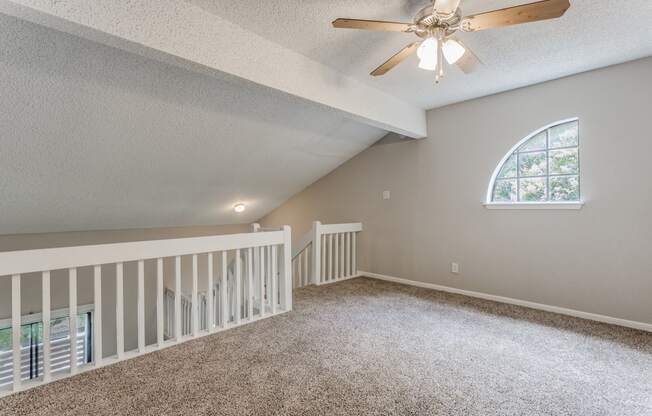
(141, 306)
(72, 318)
(342, 259)
(256, 266)
(322, 259)
(268, 275)
(187, 328)
(119, 310)
(285, 282)
(223, 292)
(159, 303)
(353, 254)
(178, 331)
(297, 271)
(210, 307)
(15, 328)
(272, 280)
(300, 269)
(330, 257)
(194, 305)
(315, 265)
(306, 260)
(238, 278)
(348, 255)
(97, 324)
(337, 256)
(250, 284)
(46, 325)
(262, 282)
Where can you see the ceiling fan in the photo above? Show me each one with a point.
(436, 24)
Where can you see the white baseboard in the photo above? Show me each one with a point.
(338, 280)
(555, 309)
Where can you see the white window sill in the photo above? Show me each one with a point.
(534, 205)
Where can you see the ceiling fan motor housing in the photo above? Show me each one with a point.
(437, 22)
(427, 22)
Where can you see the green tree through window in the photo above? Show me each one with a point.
(543, 167)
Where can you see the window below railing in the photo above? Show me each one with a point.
(256, 285)
(31, 342)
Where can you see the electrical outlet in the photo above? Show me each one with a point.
(455, 268)
(386, 195)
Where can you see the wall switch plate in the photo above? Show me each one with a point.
(455, 268)
(386, 195)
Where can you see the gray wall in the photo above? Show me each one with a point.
(92, 137)
(31, 283)
(594, 260)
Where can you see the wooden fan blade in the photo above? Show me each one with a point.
(446, 7)
(542, 10)
(372, 25)
(396, 59)
(469, 62)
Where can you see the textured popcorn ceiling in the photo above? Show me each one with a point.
(96, 138)
(592, 34)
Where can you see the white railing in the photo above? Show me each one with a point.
(186, 313)
(268, 279)
(327, 253)
(265, 275)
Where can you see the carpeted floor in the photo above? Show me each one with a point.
(366, 347)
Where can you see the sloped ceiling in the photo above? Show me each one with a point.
(592, 34)
(96, 138)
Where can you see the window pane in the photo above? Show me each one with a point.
(32, 347)
(6, 358)
(509, 168)
(564, 188)
(532, 164)
(537, 142)
(564, 135)
(505, 191)
(6, 355)
(533, 189)
(5, 339)
(564, 161)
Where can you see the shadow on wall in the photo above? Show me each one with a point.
(391, 138)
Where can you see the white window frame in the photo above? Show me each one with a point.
(33, 318)
(563, 205)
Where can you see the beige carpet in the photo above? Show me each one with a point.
(365, 347)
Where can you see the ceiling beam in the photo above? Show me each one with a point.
(180, 33)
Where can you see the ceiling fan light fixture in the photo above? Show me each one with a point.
(427, 54)
(453, 51)
(440, 19)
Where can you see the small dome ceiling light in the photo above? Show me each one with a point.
(239, 207)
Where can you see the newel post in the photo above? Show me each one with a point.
(255, 228)
(315, 272)
(286, 270)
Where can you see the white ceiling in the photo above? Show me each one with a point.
(96, 138)
(592, 34)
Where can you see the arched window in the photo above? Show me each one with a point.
(542, 168)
